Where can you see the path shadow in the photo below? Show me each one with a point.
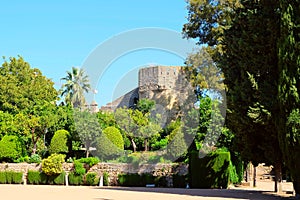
(217, 193)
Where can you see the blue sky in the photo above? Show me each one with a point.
(56, 35)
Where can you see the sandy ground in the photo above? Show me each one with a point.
(41, 192)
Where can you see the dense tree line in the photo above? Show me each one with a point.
(256, 45)
(37, 121)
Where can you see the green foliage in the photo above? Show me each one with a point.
(88, 128)
(2, 177)
(233, 176)
(145, 105)
(22, 159)
(59, 142)
(11, 177)
(33, 177)
(35, 158)
(105, 179)
(10, 148)
(70, 160)
(212, 171)
(7, 123)
(44, 178)
(207, 20)
(79, 168)
(161, 144)
(90, 161)
(27, 95)
(123, 117)
(75, 179)
(53, 164)
(22, 86)
(36, 177)
(106, 119)
(238, 165)
(156, 159)
(91, 178)
(17, 177)
(110, 143)
(135, 180)
(59, 179)
(292, 145)
(76, 84)
(114, 135)
(177, 145)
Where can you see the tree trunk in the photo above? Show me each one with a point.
(133, 145)
(34, 148)
(278, 177)
(254, 176)
(87, 153)
(146, 144)
(33, 141)
(247, 174)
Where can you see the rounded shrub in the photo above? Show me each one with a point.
(110, 144)
(53, 164)
(10, 148)
(75, 179)
(59, 142)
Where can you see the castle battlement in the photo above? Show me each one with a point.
(166, 85)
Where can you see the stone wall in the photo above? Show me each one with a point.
(113, 169)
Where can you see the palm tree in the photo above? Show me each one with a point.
(76, 84)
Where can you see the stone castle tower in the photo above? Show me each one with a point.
(166, 85)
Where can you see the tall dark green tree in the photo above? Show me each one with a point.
(289, 87)
(251, 75)
(242, 38)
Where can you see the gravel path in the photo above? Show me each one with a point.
(41, 192)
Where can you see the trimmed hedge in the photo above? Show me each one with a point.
(212, 171)
(92, 179)
(179, 181)
(10, 177)
(17, 177)
(2, 177)
(135, 180)
(105, 179)
(36, 177)
(33, 177)
(110, 144)
(75, 179)
(56, 179)
(161, 181)
(59, 142)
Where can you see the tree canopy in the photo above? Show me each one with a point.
(255, 45)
